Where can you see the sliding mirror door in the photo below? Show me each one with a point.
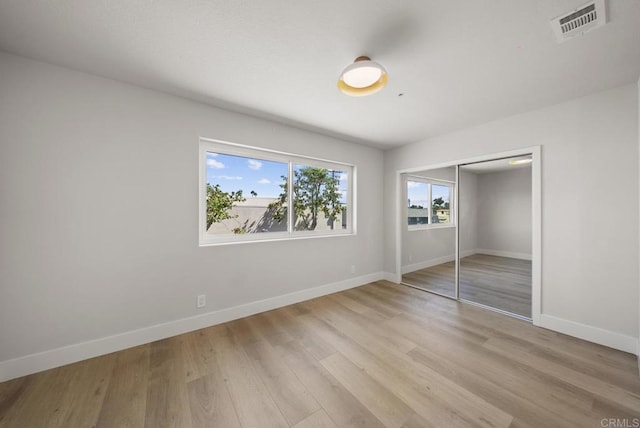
(429, 230)
(495, 234)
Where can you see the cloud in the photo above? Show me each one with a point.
(343, 176)
(211, 155)
(254, 164)
(228, 177)
(212, 163)
(264, 181)
(414, 184)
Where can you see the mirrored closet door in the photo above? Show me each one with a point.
(429, 230)
(467, 233)
(495, 234)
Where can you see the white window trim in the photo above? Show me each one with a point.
(431, 181)
(234, 149)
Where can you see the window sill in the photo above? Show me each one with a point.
(431, 227)
(310, 235)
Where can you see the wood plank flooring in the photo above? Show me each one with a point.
(439, 279)
(374, 356)
(499, 282)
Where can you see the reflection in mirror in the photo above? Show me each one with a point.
(428, 233)
(495, 234)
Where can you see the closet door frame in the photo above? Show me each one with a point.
(536, 218)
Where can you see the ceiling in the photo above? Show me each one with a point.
(456, 63)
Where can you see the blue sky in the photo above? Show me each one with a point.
(239, 173)
(234, 173)
(417, 192)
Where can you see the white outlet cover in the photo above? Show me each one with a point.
(201, 301)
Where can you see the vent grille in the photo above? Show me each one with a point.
(579, 21)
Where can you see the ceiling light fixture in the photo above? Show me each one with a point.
(520, 161)
(363, 77)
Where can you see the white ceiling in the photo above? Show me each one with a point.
(457, 62)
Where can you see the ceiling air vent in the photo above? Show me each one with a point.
(579, 21)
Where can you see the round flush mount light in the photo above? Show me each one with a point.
(363, 77)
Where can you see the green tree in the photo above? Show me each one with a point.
(315, 190)
(438, 203)
(219, 204)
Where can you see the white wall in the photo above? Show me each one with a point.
(504, 213)
(589, 149)
(424, 248)
(99, 213)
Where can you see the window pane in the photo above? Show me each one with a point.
(441, 202)
(245, 195)
(417, 202)
(320, 198)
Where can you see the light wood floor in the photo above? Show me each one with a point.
(378, 355)
(500, 282)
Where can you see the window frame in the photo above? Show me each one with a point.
(430, 182)
(233, 149)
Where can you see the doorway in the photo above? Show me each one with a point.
(470, 230)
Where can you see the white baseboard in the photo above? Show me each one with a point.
(40, 361)
(592, 334)
(435, 262)
(427, 264)
(510, 254)
(468, 253)
(389, 276)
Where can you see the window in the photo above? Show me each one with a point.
(245, 195)
(320, 198)
(429, 203)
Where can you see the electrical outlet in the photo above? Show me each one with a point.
(201, 301)
(353, 268)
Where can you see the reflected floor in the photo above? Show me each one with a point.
(500, 282)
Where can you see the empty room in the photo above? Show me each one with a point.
(319, 214)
